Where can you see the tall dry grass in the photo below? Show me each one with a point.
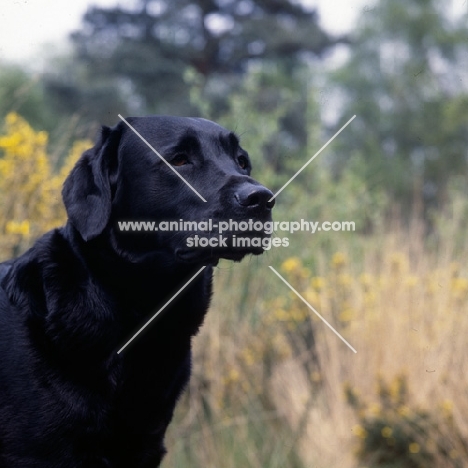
(271, 383)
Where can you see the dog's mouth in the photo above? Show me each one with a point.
(213, 256)
(210, 248)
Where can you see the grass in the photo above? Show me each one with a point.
(270, 380)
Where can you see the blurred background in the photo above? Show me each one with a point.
(272, 386)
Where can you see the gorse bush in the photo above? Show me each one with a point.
(345, 295)
(393, 433)
(30, 185)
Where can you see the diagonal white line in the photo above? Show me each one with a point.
(144, 141)
(161, 309)
(312, 158)
(312, 309)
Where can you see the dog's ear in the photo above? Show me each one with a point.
(87, 190)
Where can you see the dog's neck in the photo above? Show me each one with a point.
(143, 279)
(141, 288)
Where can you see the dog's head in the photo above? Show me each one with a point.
(198, 186)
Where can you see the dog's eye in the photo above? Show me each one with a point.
(242, 161)
(180, 160)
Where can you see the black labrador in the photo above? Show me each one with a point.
(67, 398)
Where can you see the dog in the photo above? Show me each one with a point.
(68, 398)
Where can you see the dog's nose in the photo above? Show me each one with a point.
(254, 196)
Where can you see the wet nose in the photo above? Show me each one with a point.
(254, 196)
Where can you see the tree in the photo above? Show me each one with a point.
(151, 46)
(22, 93)
(403, 80)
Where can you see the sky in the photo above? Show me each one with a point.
(30, 28)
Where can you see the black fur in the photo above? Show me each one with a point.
(67, 399)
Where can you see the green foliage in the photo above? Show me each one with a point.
(403, 80)
(22, 93)
(26, 94)
(73, 90)
(451, 223)
(392, 434)
(279, 123)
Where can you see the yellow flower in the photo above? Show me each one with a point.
(414, 447)
(398, 387)
(312, 297)
(403, 411)
(360, 431)
(317, 282)
(291, 264)
(346, 315)
(233, 375)
(10, 141)
(15, 227)
(387, 432)
(411, 281)
(447, 405)
(447, 408)
(304, 272)
(248, 357)
(459, 287)
(339, 260)
(299, 314)
(281, 315)
(366, 280)
(370, 298)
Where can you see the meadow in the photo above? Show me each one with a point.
(272, 386)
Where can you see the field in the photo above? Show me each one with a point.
(272, 385)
